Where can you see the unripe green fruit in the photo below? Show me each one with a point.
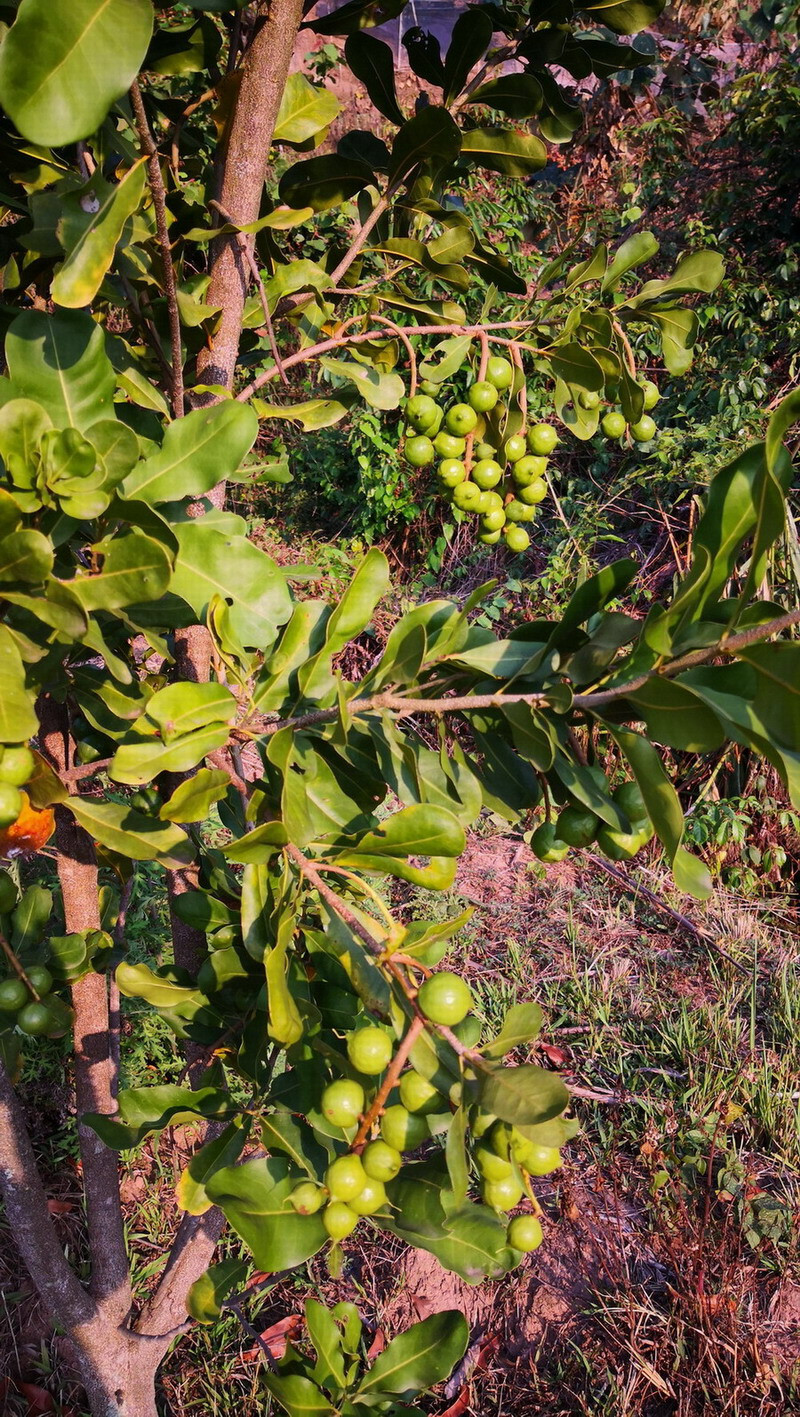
(645, 430)
(146, 799)
(427, 386)
(402, 1129)
(491, 1166)
(460, 420)
(577, 826)
(467, 496)
(17, 765)
(449, 447)
(40, 978)
(35, 1019)
(421, 412)
(486, 474)
(489, 538)
(451, 472)
(381, 1161)
(651, 394)
(529, 469)
(306, 1198)
(483, 504)
(614, 425)
(339, 1220)
(345, 1177)
(499, 372)
(10, 804)
(419, 451)
(370, 1199)
(503, 1194)
(538, 1160)
(13, 996)
(547, 845)
(589, 400)
(482, 1124)
(343, 1102)
(515, 447)
(622, 846)
(445, 998)
(8, 893)
(485, 450)
(483, 396)
(419, 1095)
(498, 1138)
(542, 439)
(524, 1233)
(493, 520)
(517, 511)
(628, 797)
(534, 493)
(494, 502)
(369, 1050)
(517, 539)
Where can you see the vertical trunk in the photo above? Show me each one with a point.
(264, 72)
(118, 1373)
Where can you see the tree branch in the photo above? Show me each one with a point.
(160, 208)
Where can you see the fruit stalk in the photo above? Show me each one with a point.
(17, 967)
(392, 1074)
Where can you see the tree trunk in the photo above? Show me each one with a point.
(118, 1372)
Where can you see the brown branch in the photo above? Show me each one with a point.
(160, 209)
(247, 252)
(17, 967)
(311, 872)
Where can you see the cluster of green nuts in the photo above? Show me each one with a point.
(354, 1184)
(577, 826)
(27, 1001)
(17, 765)
(500, 479)
(614, 423)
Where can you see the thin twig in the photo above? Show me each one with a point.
(160, 209)
(236, 1308)
(17, 967)
(376, 1107)
(310, 871)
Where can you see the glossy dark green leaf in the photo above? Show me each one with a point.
(208, 1293)
(471, 36)
(25, 556)
(504, 150)
(698, 271)
(324, 1334)
(664, 810)
(324, 182)
(455, 1152)
(432, 133)
(521, 1026)
(524, 1095)
(372, 62)
(640, 247)
(676, 717)
(255, 1199)
(626, 16)
(131, 834)
(298, 1395)
(516, 95)
(128, 568)
(144, 1110)
(423, 1355)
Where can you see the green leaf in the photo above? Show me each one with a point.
(420, 830)
(26, 556)
(285, 1023)
(576, 366)
(432, 133)
(516, 95)
(423, 1355)
(640, 247)
(520, 1026)
(524, 1095)
(91, 225)
(446, 358)
(144, 1110)
(131, 834)
(380, 390)
(198, 451)
(664, 810)
(30, 917)
(785, 416)
(312, 414)
(257, 846)
(210, 563)
(325, 1336)
(298, 1395)
(626, 16)
(676, 717)
(193, 799)
(340, 941)
(471, 37)
(504, 150)
(455, 1153)
(255, 1200)
(18, 721)
(137, 981)
(60, 362)
(699, 271)
(58, 80)
(131, 567)
(372, 63)
(324, 182)
(295, 1138)
(306, 109)
(678, 329)
(208, 1293)
(223, 1150)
